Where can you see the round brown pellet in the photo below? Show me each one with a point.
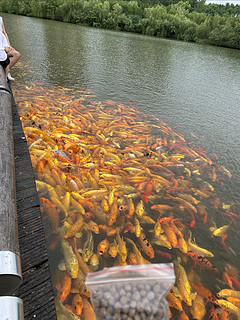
(116, 316)
(157, 288)
(132, 312)
(123, 300)
(133, 304)
(128, 287)
(122, 292)
(104, 303)
(136, 296)
(107, 295)
(150, 295)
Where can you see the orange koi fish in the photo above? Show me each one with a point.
(132, 259)
(51, 212)
(77, 304)
(103, 247)
(65, 287)
(234, 301)
(87, 312)
(113, 213)
(204, 292)
(170, 234)
(162, 208)
(146, 246)
(202, 262)
(174, 302)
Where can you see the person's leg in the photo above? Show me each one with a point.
(14, 56)
(6, 70)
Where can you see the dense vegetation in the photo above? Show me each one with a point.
(185, 20)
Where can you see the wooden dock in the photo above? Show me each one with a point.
(36, 289)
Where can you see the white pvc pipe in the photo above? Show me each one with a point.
(11, 308)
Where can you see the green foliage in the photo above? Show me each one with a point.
(190, 20)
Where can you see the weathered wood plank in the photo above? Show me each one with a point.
(36, 289)
(10, 270)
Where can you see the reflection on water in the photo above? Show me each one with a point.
(120, 187)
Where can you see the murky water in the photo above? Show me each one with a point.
(193, 88)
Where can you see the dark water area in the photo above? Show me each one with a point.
(194, 88)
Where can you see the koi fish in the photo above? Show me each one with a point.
(202, 262)
(132, 259)
(204, 292)
(138, 228)
(70, 259)
(228, 306)
(113, 250)
(122, 250)
(146, 246)
(198, 309)
(77, 304)
(88, 247)
(219, 232)
(74, 228)
(162, 208)
(65, 288)
(64, 312)
(174, 302)
(170, 234)
(94, 260)
(183, 283)
(137, 253)
(140, 208)
(51, 212)
(103, 247)
(162, 241)
(234, 301)
(87, 312)
(228, 293)
(192, 246)
(113, 214)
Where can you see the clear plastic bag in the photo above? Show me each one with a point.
(133, 292)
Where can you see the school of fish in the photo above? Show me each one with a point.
(119, 187)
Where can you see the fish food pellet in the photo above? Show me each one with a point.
(122, 301)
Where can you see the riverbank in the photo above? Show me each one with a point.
(209, 24)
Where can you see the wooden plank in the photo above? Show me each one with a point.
(36, 289)
(10, 271)
(37, 293)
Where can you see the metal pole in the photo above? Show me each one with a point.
(10, 267)
(11, 308)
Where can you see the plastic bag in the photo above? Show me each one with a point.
(131, 292)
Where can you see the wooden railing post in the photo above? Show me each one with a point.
(10, 266)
